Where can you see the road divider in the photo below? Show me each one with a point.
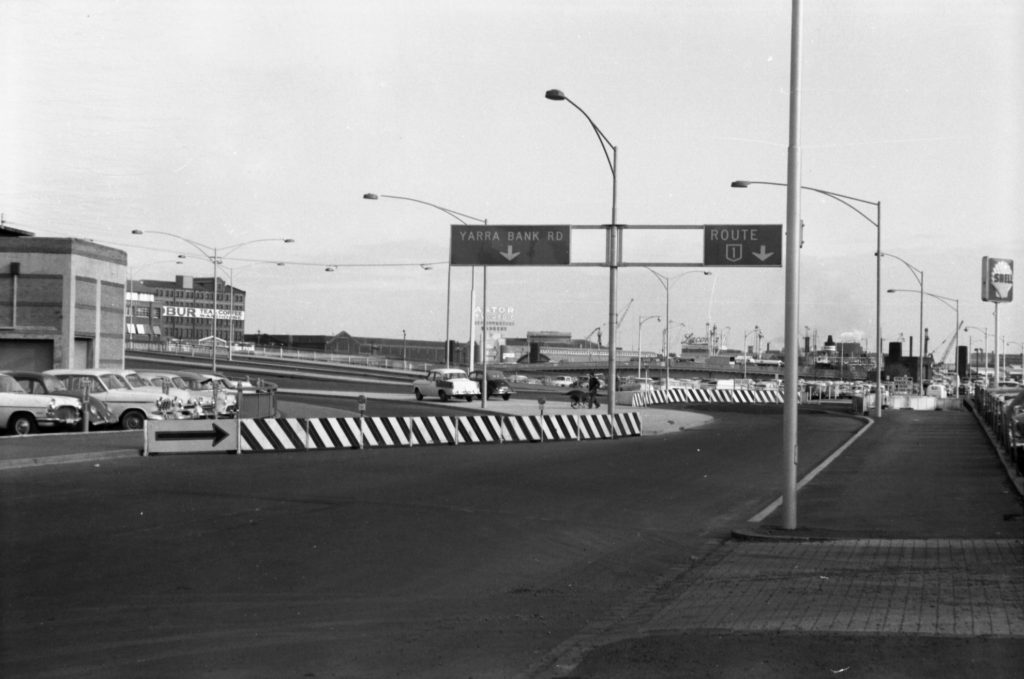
(680, 395)
(296, 434)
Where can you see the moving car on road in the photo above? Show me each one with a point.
(497, 383)
(446, 383)
(23, 413)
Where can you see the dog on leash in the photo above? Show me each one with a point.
(581, 399)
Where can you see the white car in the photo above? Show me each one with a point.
(131, 408)
(22, 413)
(561, 381)
(183, 404)
(446, 383)
(174, 385)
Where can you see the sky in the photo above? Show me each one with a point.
(224, 122)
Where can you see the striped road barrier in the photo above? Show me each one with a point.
(681, 395)
(330, 433)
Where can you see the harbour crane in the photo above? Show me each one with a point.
(950, 343)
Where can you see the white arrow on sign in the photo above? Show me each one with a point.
(762, 255)
(509, 255)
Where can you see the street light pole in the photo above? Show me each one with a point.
(461, 217)
(639, 340)
(956, 331)
(213, 254)
(611, 243)
(849, 201)
(919, 275)
(666, 282)
(231, 304)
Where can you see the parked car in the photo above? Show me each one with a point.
(560, 381)
(42, 383)
(131, 407)
(183, 404)
(172, 383)
(497, 383)
(446, 383)
(213, 392)
(23, 413)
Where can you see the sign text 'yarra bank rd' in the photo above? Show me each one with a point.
(510, 245)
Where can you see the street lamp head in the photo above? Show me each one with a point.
(289, 240)
(330, 268)
(554, 95)
(740, 184)
(370, 196)
(137, 232)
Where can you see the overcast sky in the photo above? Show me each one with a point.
(229, 121)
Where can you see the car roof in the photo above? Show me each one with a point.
(80, 371)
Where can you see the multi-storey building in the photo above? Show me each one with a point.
(183, 310)
(61, 303)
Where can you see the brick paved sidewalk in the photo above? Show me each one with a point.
(932, 587)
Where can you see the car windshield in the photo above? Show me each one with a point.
(135, 381)
(112, 381)
(9, 385)
(52, 383)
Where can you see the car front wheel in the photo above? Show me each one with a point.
(22, 424)
(444, 396)
(133, 419)
(505, 396)
(419, 395)
(469, 398)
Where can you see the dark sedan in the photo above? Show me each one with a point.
(497, 384)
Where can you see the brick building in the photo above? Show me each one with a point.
(183, 310)
(61, 303)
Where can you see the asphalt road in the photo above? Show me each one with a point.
(439, 562)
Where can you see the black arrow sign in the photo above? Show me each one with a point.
(217, 433)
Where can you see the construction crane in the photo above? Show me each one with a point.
(949, 345)
(591, 334)
(622, 316)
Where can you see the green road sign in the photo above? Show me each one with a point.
(742, 245)
(510, 245)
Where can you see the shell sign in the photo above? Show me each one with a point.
(996, 279)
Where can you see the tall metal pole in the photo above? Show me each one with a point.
(792, 332)
(878, 312)
(213, 361)
(920, 339)
(613, 275)
(448, 304)
(611, 244)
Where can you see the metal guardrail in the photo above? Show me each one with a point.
(993, 406)
(193, 350)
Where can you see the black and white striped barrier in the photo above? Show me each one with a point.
(679, 395)
(330, 433)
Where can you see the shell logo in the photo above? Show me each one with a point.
(997, 280)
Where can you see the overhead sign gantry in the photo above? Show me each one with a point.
(731, 245)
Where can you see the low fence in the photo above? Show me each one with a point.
(296, 434)
(1004, 420)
